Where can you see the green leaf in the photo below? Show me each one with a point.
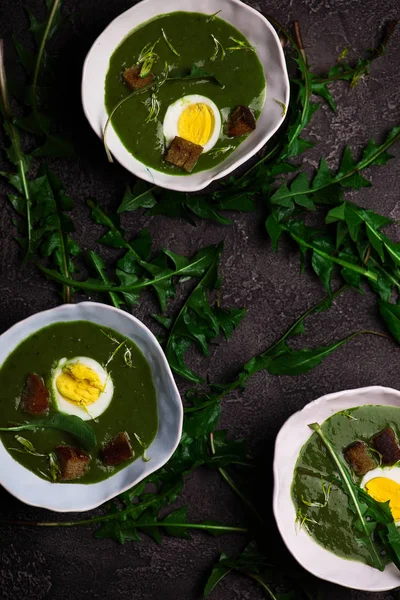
(140, 197)
(297, 362)
(81, 430)
(274, 230)
(217, 575)
(177, 517)
(195, 72)
(391, 315)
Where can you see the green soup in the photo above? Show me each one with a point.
(133, 407)
(333, 525)
(191, 35)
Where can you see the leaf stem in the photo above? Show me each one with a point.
(84, 285)
(183, 309)
(339, 261)
(15, 141)
(234, 487)
(38, 63)
(117, 516)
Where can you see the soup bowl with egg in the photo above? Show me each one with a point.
(337, 487)
(89, 406)
(183, 98)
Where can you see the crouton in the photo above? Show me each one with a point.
(183, 154)
(386, 444)
(73, 462)
(131, 77)
(35, 396)
(241, 121)
(358, 458)
(117, 450)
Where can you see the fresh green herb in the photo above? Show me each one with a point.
(128, 358)
(69, 423)
(142, 90)
(37, 94)
(143, 445)
(252, 563)
(134, 272)
(141, 196)
(54, 468)
(196, 72)
(219, 151)
(14, 153)
(282, 105)
(153, 104)
(213, 16)
(170, 46)
(198, 323)
(27, 446)
(147, 58)
(219, 49)
(114, 353)
(326, 490)
(302, 520)
(240, 45)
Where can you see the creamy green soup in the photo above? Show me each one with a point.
(192, 35)
(133, 406)
(330, 521)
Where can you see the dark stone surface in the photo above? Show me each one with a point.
(67, 563)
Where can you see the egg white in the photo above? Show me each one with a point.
(392, 473)
(174, 111)
(95, 409)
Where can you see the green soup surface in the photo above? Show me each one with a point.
(133, 407)
(333, 526)
(190, 34)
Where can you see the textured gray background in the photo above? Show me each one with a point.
(68, 563)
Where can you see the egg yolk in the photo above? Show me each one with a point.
(196, 123)
(383, 489)
(79, 384)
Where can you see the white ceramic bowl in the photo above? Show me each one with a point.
(291, 438)
(251, 23)
(62, 497)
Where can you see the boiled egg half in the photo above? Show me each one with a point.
(383, 484)
(194, 118)
(81, 387)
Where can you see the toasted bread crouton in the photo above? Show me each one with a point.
(241, 121)
(359, 459)
(73, 462)
(386, 444)
(35, 396)
(117, 450)
(131, 77)
(183, 154)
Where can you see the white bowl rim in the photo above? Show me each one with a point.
(150, 466)
(182, 182)
(382, 581)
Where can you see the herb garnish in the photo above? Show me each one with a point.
(240, 45)
(147, 58)
(170, 46)
(219, 49)
(69, 423)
